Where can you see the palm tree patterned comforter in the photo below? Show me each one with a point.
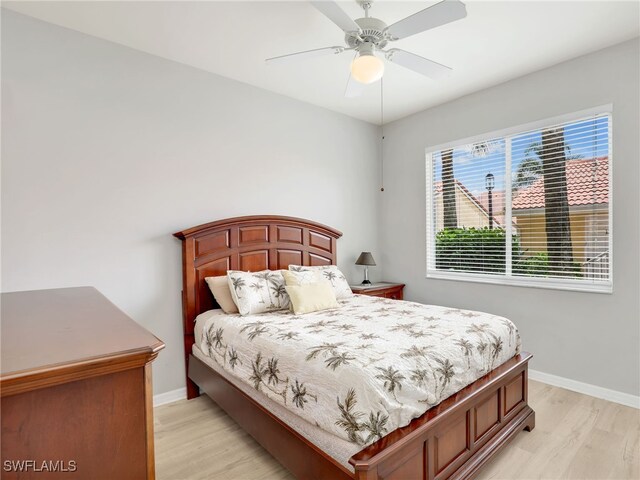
(366, 368)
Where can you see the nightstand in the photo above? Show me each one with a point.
(381, 289)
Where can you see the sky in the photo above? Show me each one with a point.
(586, 138)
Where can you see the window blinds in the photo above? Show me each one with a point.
(530, 206)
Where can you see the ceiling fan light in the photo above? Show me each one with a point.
(367, 68)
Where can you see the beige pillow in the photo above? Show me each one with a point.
(312, 297)
(332, 274)
(300, 278)
(219, 286)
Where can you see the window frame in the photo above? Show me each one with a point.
(603, 286)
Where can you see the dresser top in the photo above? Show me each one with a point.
(45, 331)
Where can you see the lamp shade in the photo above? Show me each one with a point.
(367, 68)
(366, 258)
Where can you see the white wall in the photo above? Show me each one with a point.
(592, 338)
(107, 151)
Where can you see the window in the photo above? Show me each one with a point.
(526, 206)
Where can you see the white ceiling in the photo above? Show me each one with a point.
(498, 41)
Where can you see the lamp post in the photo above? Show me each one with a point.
(489, 182)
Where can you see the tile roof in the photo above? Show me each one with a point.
(587, 184)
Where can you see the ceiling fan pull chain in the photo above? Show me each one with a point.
(382, 135)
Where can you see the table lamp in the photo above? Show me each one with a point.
(367, 260)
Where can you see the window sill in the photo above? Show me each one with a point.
(514, 281)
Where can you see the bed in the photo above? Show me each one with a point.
(452, 439)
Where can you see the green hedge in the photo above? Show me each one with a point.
(483, 250)
(473, 249)
(538, 265)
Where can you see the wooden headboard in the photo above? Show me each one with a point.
(251, 243)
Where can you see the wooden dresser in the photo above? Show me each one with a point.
(75, 386)
(381, 289)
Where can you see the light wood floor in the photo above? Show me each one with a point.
(576, 437)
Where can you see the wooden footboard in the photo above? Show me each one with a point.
(454, 439)
(450, 441)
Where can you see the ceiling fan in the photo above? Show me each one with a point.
(369, 36)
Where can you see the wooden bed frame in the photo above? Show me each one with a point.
(450, 441)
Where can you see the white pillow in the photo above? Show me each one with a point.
(330, 273)
(258, 292)
(219, 287)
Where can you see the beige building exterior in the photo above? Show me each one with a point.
(470, 212)
(589, 229)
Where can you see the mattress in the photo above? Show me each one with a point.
(350, 375)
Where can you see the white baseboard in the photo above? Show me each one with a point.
(586, 388)
(168, 397)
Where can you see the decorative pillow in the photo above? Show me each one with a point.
(300, 278)
(332, 274)
(258, 292)
(312, 297)
(219, 286)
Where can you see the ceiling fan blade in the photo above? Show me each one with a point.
(333, 12)
(354, 88)
(419, 64)
(433, 16)
(292, 57)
